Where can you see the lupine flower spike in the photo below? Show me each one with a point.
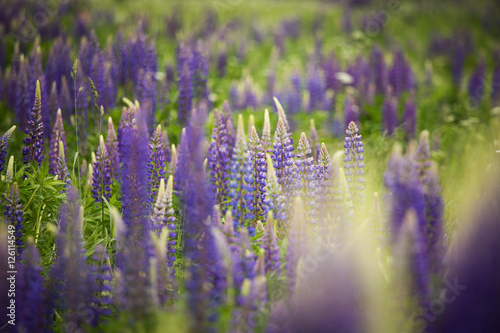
(354, 164)
(270, 246)
(33, 150)
(266, 132)
(101, 177)
(62, 168)
(112, 148)
(14, 215)
(4, 140)
(156, 163)
(58, 134)
(313, 135)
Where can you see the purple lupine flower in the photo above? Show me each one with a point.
(58, 134)
(402, 179)
(4, 141)
(255, 177)
(101, 177)
(323, 172)
(62, 168)
(313, 135)
(185, 86)
(457, 67)
(316, 89)
(156, 163)
(125, 126)
(477, 84)
(199, 71)
(266, 132)
(351, 110)
(305, 182)
(377, 70)
(197, 204)
(389, 113)
(30, 293)
(354, 164)
(23, 95)
(237, 172)
(112, 148)
(411, 260)
(133, 287)
(134, 180)
(249, 96)
(69, 275)
(182, 164)
(399, 74)
(171, 223)
(33, 150)
(158, 213)
(165, 288)
(472, 274)
(14, 215)
(270, 246)
(275, 201)
(59, 62)
(219, 161)
(101, 276)
(231, 135)
(282, 155)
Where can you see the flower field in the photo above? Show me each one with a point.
(264, 166)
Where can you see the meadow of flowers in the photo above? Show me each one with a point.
(272, 166)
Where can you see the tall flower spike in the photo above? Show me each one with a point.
(101, 276)
(158, 215)
(266, 132)
(14, 215)
(354, 165)
(282, 155)
(171, 223)
(256, 180)
(237, 187)
(33, 150)
(323, 171)
(62, 168)
(282, 115)
(275, 201)
(218, 161)
(101, 178)
(156, 163)
(4, 141)
(30, 315)
(313, 135)
(270, 246)
(9, 175)
(112, 148)
(58, 134)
